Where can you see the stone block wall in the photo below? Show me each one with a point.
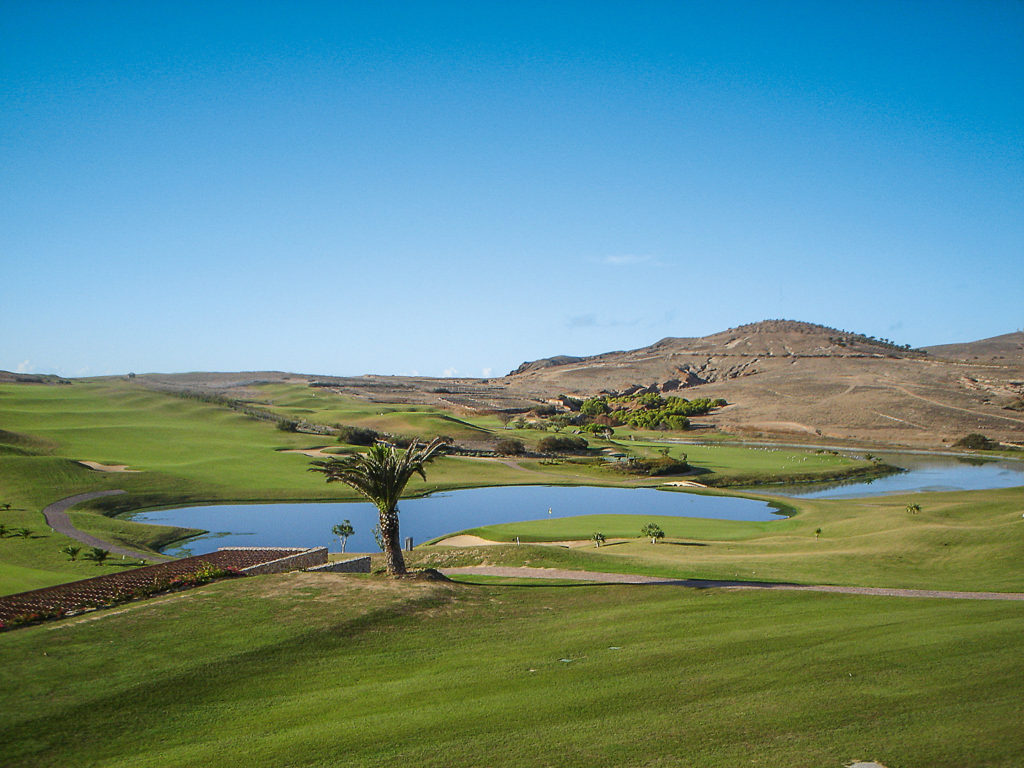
(355, 565)
(295, 561)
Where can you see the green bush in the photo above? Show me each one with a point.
(977, 442)
(356, 435)
(563, 444)
(510, 446)
(97, 554)
(662, 465)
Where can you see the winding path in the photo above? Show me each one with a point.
(623, 578)
(56, 515)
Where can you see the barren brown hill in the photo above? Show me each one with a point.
(1009, 346)
(787, 378)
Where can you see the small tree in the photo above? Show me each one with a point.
(25, 533)
(97, 554)
(598, 539)
(3, 531)
(71, 550)
(510, 446)
(977, 442)
(817, 533)
(913, 508)
(653, 532)
(563, 444)
(7, 507)
(343, 531)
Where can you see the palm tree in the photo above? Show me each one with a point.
(381, 475)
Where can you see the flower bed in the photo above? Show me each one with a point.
(104, 591)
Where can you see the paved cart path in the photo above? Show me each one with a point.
(624, 578)
(56, 515)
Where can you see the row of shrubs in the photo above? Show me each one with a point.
(662, 465)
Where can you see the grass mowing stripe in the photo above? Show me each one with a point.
(443, 677)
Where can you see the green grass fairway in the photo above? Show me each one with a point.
(314, 670)
(964, 540)
(189, 451)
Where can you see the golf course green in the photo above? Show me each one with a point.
(309, 669)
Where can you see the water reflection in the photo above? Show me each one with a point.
(923, 474)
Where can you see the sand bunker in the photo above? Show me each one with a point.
(465, 540)
(95, 465)
(313, 453)
(685, 484)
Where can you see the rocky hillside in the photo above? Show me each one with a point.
(791, 378)
(675, 363)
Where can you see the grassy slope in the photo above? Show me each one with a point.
(189, 452)
(969, 540)
(310, 670)
(297, 401)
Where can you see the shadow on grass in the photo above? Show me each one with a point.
(516, 582)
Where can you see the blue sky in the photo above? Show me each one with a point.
(454, 188)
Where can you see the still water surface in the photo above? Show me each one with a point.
(924, 474)
(309, 525)
(302, 525)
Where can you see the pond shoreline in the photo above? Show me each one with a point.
(749, 482)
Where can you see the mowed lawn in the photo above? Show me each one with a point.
(323, 669)
(184, 450)
(187, 451)
(963, 540)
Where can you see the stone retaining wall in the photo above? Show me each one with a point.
(355, 565)
(296, 561)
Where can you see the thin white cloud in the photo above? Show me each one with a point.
(627, 260)
(24, 367)
(591, 320)
(487, 372)
(588, 320)
(449, 372)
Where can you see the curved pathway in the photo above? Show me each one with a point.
(623, 578)
(56, 515)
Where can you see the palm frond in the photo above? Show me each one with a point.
(381, 473)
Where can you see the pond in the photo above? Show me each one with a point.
(925, 473)
(309, 525)
(296, 525)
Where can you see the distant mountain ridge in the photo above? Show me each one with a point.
(771, 338)
(790, 377)
(781, 378)
(1009, 346)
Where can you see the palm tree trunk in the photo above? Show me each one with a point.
(394, 561)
